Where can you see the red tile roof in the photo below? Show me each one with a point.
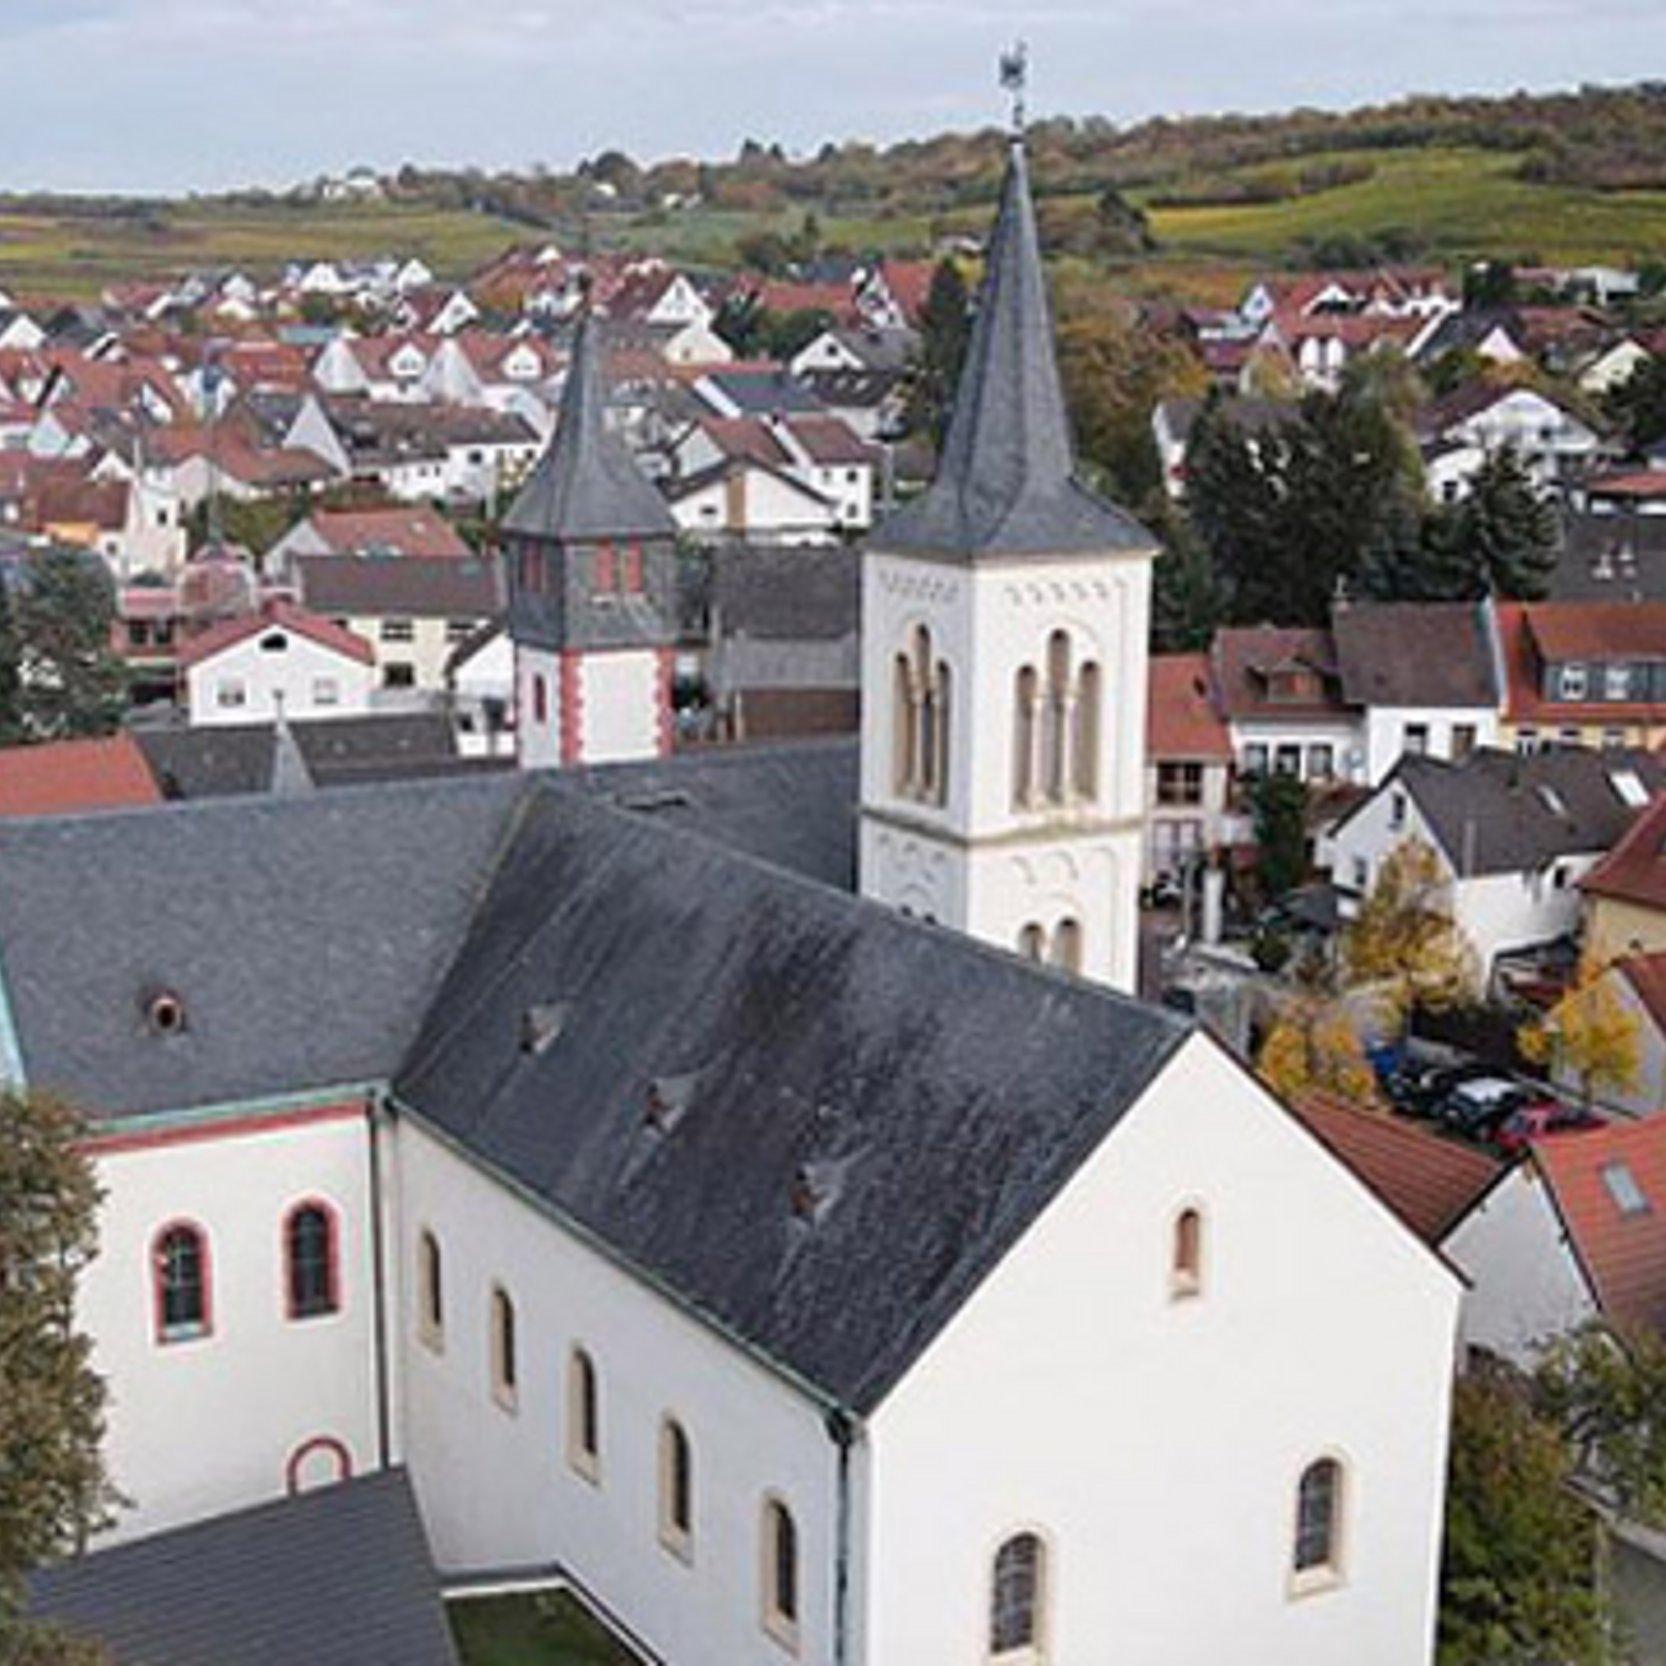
(1623, 1253)
(1635, 869)
(1431, 1183)
(232, 631)
(68, 776)
(409, 531)
(1243, 657)
(1532, 634)
(1181, 720)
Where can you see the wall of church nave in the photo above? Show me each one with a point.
(1151, 1431)
(501, 1474)
(1070, 903)
(623, 705)
(221, 1391)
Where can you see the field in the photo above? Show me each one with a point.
(1456, 203)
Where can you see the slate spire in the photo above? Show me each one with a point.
(586, 487)
(1006, 481)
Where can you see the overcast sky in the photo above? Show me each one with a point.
(200, 94)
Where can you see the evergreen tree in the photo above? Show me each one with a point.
(1186, 602)
(1639, 405)
(1278, 805)
(53, 1488)
(11, 679)
(1504, 532)
(945, 329)
(72, 682)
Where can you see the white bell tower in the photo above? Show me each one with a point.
(1004, 648)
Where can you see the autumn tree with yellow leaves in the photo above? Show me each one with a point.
(1314, 1048)
(1404, 946)
(1590, 1035)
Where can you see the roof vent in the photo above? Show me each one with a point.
(542, 1025)
(164, 1012)
(668, 1100)
(1552, 800)
(815, 1189)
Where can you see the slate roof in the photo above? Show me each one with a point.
(1611, 557)
(586, 486)
(1502, 812)
(340, 1576)
(786, 594)
(1430, 1182)
(1006, 483)
(1414, 654)
(217, 760)
(921, 1096)
(304, 936)
(405, 586)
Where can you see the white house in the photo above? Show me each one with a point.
(1553, 441)
(280, 662)
(1514, 835)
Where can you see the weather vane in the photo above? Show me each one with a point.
(1015, 77)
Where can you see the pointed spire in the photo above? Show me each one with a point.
(1006, 481)
(586, 487)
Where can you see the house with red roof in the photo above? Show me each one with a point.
(280, 660)
(1188, 766)
(1637, 985)
(1625, 893)
(1574, 1232)
(67, 777)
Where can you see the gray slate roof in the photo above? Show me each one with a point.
(1006, 483)
(933, 1094)
(586, 486)
(1414, 654)
(336, 1577)
(304, 936)
(1500, 812)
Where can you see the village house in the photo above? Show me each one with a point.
(1189, 758)
(1625, 894)
(279, 662)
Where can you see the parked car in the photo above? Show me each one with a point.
(1421, 1089)
(1477, 1106)
(1542, 1118)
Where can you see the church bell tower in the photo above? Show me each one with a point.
(591, 554)
(1004, 657)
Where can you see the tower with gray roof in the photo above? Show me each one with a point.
(590, 550)
(1005, 617)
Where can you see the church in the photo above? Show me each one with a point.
(742, 1186)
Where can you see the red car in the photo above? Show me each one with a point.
(1536, 1121)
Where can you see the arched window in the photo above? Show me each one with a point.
(1016, 1603)
(937, 784)
(540, 699)
(319, 1462)
(430, 1290)
(1032, 944)
(311, 1255)
(1025, 696)
(1055, 720)
(179, 1260)
(1318, 1547)
(902, 729)
(676, 1489)
(1067, 945)
(780, 1573)
(1186, 1262)
(503, 1348)
(1085, 765)
(584, 1417)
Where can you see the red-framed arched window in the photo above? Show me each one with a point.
(319, 1462)
(311, 1260)
(181, 1282)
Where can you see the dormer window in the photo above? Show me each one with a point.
(1571, 682)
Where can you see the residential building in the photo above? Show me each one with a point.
(280, 662)
(397, 530)
(1625, 893)
(414, 610)
(1188, 767)
(1514, 836)
(1280, 691)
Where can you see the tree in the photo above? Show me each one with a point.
(1404, 943)
(11, 672)
(1501, 539)
(1519, 1575)
(945, 329)
(55, 1490)
(1314, 1048)
(72, 683)
(1590, 1034)
(1278, 805)
(1186, 601)
(1605, 1389)
(1639, 404)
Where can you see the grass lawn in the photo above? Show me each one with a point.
(532, 1628)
